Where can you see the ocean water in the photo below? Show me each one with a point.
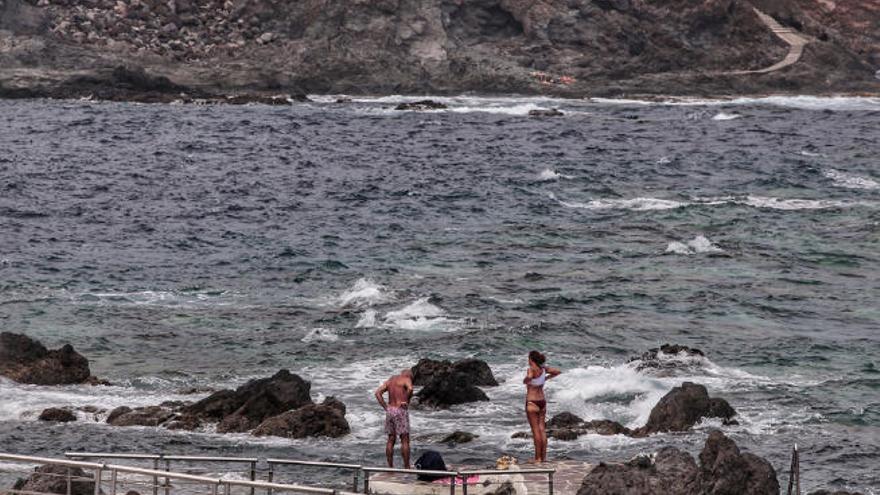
(184, 246)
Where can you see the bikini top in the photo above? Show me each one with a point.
(539, 381)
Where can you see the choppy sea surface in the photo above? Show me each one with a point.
(183, 246)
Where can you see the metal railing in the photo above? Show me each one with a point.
(214, 484)
(359, 472)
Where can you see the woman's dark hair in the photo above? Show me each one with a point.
(537, 358)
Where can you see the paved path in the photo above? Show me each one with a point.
(795, 42)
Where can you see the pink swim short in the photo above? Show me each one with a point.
(397, 421)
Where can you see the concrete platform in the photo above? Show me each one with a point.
(566, 481)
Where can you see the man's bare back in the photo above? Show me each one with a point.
(400, 391)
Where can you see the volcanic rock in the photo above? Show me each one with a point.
(725, 470)
(25, 360)
(567, 426)
(57, 415)
(477, 370)
(140, 416)
(448, 389)
(458, 437)
(421, 105)
(660, 358)
(312, 420)
(682, 408)
(253, 402)
(672, 472)
(53, 479)
(541, 112)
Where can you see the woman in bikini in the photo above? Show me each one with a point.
(536, 403)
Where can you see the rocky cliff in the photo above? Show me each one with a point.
(558, 47)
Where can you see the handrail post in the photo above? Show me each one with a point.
(155, 478)
(69, 481)
(463, 484)
(167, 479)
(366, 482)
(113, 482)
(253, 476)
(97, 481)
(354, 484)
(271, 478)
(550, 483)
(452, 485)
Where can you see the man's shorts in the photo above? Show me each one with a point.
(397, 421)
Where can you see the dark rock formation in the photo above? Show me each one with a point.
(57, 415)
(682, 408)
(567, 426)
(252, 403)
(449, 389)
(478, 371)
(658, 359)
(725, 470)
(458, 437)
(540, 112)
(421, 105)
(140, 416)
(672, 472)
(53, 479)
(25, 360)
(312, 420)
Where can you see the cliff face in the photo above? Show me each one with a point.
(563, 47)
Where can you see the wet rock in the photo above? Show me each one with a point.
(477, 370)
(458, 437)
(837, 492)
(521, 434)
(421, 105)
(335, 404)
(661, 358)
(566, 426)
(252, 403)
(449, 389)
(672, 472)
(244, 99)
(682, 408)
(313, 420)
(541, 112)
(57, 415)
(725, 470)
(25, 360)
(53, 479)
(140, 416)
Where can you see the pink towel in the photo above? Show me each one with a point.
(471, 480)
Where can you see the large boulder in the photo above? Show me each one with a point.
(53, 479)
(682, 408)
(25, 360)
(477, 370)
(727, 471)
(671, 472)
(449, 389)
(252, 403)
(57, 415)
(312, 420)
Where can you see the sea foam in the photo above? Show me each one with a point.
(699, 244)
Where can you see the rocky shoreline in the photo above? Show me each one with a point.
(281, 406)
(234, 51)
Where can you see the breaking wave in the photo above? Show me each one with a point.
(849, 181)
(645, 204)
(699, 244)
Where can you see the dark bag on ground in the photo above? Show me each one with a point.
(430, 460)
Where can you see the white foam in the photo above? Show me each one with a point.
(320, 335)
(804, 102)
(548, 175)
(418, 315)
(849, 181)
(157, 298)
(364, 292)
(699, 244)
(367, 319)
(726, 116)
(645, 204)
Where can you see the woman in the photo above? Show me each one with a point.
(536, 403)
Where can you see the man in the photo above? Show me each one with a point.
(400, 390)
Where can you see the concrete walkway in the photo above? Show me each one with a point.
(795, 42)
